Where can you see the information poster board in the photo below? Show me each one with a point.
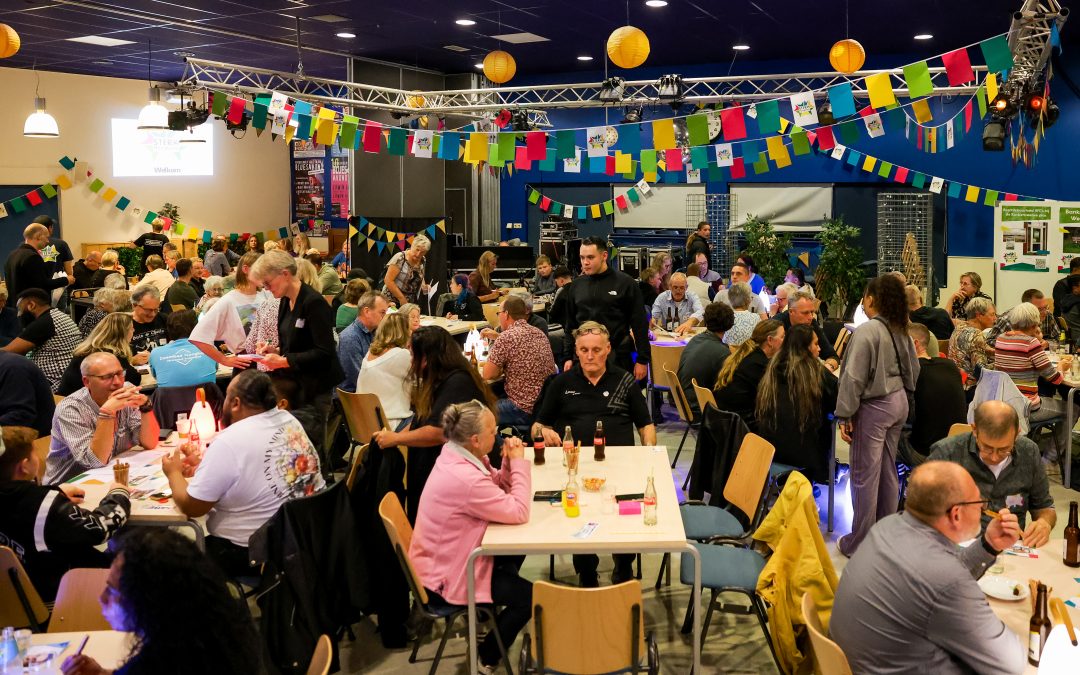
(1034, 243)
(320, 186)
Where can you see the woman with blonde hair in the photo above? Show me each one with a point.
(300, 244)
(110, 264)
(385, 370)
(480, 279)
(662, 263)
(270, 245)
(252, 244)
(411, 310)
(737, 384)
(113, 335)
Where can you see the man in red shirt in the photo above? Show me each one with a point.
(521, 354)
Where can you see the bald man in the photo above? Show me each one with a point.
(25, 268)
(908, 601)
(1006, 466)
(677, 309)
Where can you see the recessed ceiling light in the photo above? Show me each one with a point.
(346, 35)
(455, 48)
(100, 41)
(330, 18)
(520, 38)
(740, 48)
(584, 57)
(465, 22)
(656, 3)
(102, 63)
(184, 55)
(478, 65)
(924, 36)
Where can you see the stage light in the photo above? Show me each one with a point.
(670, 88)
(612, 89)
(994, 134)
(1003, 106)
(632, 115)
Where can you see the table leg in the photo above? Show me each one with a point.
(695, 598)
(1066, 476)
(470, 576)
(832, 475)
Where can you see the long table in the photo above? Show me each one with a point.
(549, 530)
(454, 327)
(109, 648)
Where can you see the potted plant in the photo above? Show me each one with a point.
(768, 248)
(170, 211)
(839, 276)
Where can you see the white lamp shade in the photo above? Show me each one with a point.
(40, 124)
(154, 115)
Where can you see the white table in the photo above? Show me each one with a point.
(550, 531)
(454, 327)
(1074, 385)
(109, 648)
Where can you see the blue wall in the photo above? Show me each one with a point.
(1055, 174)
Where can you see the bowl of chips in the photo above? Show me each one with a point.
(593, 483)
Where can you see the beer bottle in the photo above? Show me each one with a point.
(1039, 628)
(599, 442)
(1071, 547)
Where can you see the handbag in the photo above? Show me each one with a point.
(900, 364)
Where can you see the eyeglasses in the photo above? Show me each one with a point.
(981, 502)
(109, 376)
(149, 310)
(589, 331)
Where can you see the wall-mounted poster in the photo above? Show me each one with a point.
(1069, 220)
(1032, 240)
(308, 194)
(1025, 238)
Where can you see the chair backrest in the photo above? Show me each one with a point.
(320, 660)
(746, 482)
(704, 395)
(491, 313)
(841, 341)
(355, 468)
(829, 659)
(959, 428)
(41, 449)
(178, 306)
(77, 607)
(996, 385)
(13, 580)
(664, 356)
(681, 404)
(586, 630)
(400, 532)
(364, 415)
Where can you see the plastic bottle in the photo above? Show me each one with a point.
(9, 653)
(649, 506)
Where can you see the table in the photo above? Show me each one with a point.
(1048, 569)
(109, 648)
(453, 327)
(550, 531)
(150, 382)
(1073, 384)
(667, 339)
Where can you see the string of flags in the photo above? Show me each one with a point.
(32, 199)
(382, 239)
(635, 196)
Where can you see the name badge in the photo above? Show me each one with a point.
(299, 323)
(1014, 501)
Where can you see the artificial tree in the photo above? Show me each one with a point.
(768, 248)
(839, 277)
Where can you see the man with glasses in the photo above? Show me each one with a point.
(150, 326)
(909, 601)
(1006, 467)
(103, 419)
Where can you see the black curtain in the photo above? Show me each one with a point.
(374, 263)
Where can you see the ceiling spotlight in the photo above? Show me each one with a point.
(669, 88)
(656, 3)
(1048, 113)
(345, 34)
(584, 57)
(633, 115)
(612, 89)
(465, 22)
(994, 134)
(740, 48)
(520, 121)
(924, 36)
(1003, 106)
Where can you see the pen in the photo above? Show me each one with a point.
(83, 645)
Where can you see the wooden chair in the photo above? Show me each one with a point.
(77, 607)
(355, 467)
(491, 313)
(588, 630)
(842, 340)
(178, 307)
(363, 415)
(959, 428)
(20, 604)
(41, 450)
(320, 660)
(400, 533)
(663, 356)
(686, 414)
(704, 395)
(828, 657)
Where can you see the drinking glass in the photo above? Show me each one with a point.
(608, 504)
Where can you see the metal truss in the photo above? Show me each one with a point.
(1029, 37)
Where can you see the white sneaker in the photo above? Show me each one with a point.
(486, 670)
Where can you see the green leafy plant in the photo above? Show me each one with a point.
(171, 211)
(768, 248)
(131, 259)
(839, 275)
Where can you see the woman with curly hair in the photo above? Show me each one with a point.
(175, 600)
(113, 335)
(662, 263)
(879, 371)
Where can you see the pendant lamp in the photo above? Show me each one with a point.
(153, 115)
(40, 124)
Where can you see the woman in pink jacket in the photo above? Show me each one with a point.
(462, 495)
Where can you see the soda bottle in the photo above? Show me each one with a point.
(650, 501)
(567, 444)
(9, 653)
(1071, 548)
(1038, 628)
(599, 442)
(538, 449)
(570, 497)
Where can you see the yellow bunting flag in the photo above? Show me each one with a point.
(370, 243)
(880, 88)
(108, 194)
(922, 111)
(972, 194)
(804, 258)
(595, 209)
(869, 163)
(353, 232)
(477, 147)
(623, 162)
(991, 87)
(63, 181)
(192, 233)
(325, 132)
(663, 134)
(370, 228)
(776, 147)
(784, 124)
(441, 225)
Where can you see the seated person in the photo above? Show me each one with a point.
(1006, 467)
(1048, 325)
(9, 319)
(150, 329)
(385, 370)
(466, 306)
(939, 394)
(522, 355)
(103, 419)
(110, 264)
(590, 392)
(261, 459)
(802, 308)
(480, 280)
(908, 601)
(557, 310)
(794, 400)
(675, 309)
(83, 270)
(544, 281)
(967, 346)
(740, 273)
(180, 363)
(197, 594)
(737, 383)
(651, 286)
(157, 275)
(696, 285)
(738, 298)
(346, 311)
(704, 354)
(182, 291)
(463, 494)
(26, 398)
(104, 304)
(49, 336)
(43, 524)
(783, 293)
(936, 319)
(704, 273)
(112, 335)
(355, 340)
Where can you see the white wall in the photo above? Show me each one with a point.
(248, 192)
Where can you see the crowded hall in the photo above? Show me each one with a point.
(584, 338)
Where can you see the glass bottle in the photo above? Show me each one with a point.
(570, 497)
(1039, 627)
(649, 506)
(1070, 550)
(538, 449)
(567, 444)
(599, 442)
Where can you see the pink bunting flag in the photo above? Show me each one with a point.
(620, 201)
(901, 175)
(1010, 197)
(521, 158)
(738, 168)
(825, 140)
(536, 143)
(867, 111)
(372, 136)
(733, 123)
(609, 165)
(236, 109)
(545, 203)
(674, 159)
(958, 67)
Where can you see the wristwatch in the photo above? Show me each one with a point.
(146, 407)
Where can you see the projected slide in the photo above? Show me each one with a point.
(161, 153)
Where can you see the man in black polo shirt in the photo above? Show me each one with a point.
(148, 322)
(1061, 287)
(934, 318)
(580, 396)
(25, 268)
(152, 243)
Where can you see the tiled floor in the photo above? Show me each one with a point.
(734, 644)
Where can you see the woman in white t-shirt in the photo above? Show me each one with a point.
(229, 320)
(385, 370)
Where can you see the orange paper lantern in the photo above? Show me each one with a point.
(628, 47)
(847, 56)
(499, 67)
(9, 41)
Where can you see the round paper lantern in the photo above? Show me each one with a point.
(628, 47)
(9, 41)
(847, 56)
(499, 67)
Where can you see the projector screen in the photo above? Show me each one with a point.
(663, 206)
(160, 152)
(788, 207)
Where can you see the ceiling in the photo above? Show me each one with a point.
(415, 32)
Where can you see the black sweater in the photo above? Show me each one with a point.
(25, 268)
(613, 299)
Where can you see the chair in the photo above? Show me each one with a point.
(41, 450)
(320, 660)
(363, 415)
(683, 407)
(663, 356)
(585, 630)
(491, 313)
(828, 657)
(959, 428)
(400, 533)
(354, 469)
(704, 395)
(842, 340)
(20, 604)
(77, 607)
(178, 307)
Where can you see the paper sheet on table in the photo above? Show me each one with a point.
(433, 291)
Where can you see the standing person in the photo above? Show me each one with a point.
(522, 354)
(306, 350)
(216, 261)
(738, 380)
(970, 287)
(49, 336)
(152, 243)
(698, 242)
(676, 309)
(466, 306)
(83, 270)
(181, 292)
(385, 370)
(58, 254)
(356, 339)
(112, 335)
(544, 281)
(878, 371)
(704, 355)
(25, 268)
(404, 278)
(480, 278)
(229, 319)
(611, 298)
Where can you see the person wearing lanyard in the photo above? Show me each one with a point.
(306, 350)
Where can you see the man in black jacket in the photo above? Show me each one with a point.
(25, 268)
(84, 269)
(1061, 288)
(612, 298)
(935, 319)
